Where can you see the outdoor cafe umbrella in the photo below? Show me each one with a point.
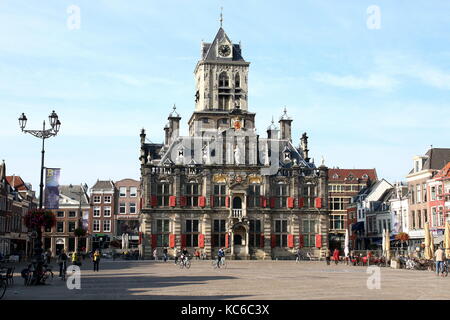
(346, 248)
(428, 251)
(388, 245)
(447, 239)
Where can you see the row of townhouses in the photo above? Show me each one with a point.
(404, 207)
(16, 199)
(109, 212)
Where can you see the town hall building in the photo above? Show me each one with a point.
(224, 185)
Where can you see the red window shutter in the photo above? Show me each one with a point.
(273, 242)
(227, 201)
(290, 202)
(261, 241)
(211, 201)
(201, 240)
(154, 201)
(290, 240)
(302, 241)
(318, 203)
(172, 241)
(272, 202)
(183, 241)
(201, 201)
(227, 241)
(154, 240)
(263, 202)
(172, 201)
(301, 202)
(183, 201)
(318, 241)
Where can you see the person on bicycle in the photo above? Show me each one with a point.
(62, 261)
(220, 255)
(184, 255)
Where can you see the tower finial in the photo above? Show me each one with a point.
(221, 16)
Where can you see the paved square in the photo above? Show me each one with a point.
(283, 280)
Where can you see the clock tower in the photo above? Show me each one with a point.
(221, 77)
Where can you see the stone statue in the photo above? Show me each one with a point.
(237, 155)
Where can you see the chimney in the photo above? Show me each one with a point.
(174, 125)
(285, 126)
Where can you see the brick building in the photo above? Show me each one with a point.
(128, 207)
(16, 199)
(343, 185)
(224, 185)
(424, 168)
(101, 218)
(73, 212)
(438, 190)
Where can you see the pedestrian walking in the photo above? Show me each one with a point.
(439, 257)
(96, 259)
(336, 256)
(75, 258)
(165, 254)
(197, 255)
(327, 256)
(155, 254)
(62, 261)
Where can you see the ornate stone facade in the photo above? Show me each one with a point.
(224, 185)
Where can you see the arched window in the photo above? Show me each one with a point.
(224, 81)
(237, 81)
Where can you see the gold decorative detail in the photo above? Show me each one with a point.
(220, 178)
(254, 179)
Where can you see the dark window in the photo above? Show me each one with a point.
(254, 196)
(192, 233)
(71, 226)
(281, 233)
(72, 214)
(163, 193)
(281, 193)
(192, 192)
(59, 226)
(255, 233)
(219, 195)
(218, 235)
(162, 232)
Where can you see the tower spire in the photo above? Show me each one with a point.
(221, 16)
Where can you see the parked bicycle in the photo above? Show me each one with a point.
(33, 276)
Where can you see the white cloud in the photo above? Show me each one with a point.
(372, 81)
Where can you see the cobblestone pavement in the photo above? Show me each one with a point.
(283, 280)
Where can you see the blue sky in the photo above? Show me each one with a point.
(368, 98)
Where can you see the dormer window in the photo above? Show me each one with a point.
(417, 166)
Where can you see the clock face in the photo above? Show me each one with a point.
(224, 50)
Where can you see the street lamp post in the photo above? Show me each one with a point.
(41, 134)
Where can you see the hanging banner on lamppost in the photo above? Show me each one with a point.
(51, 200)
